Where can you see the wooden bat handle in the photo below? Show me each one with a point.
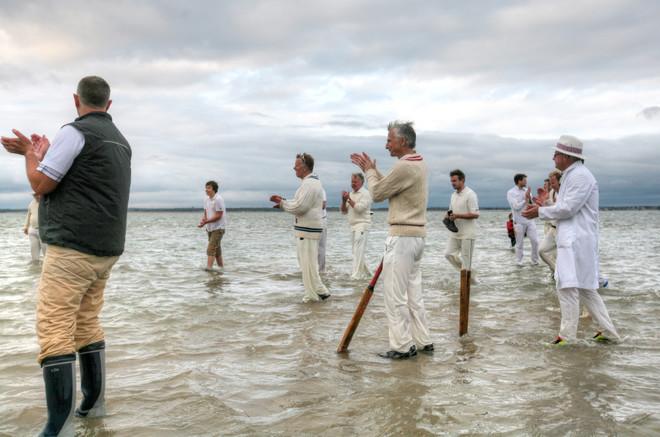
(359, 311)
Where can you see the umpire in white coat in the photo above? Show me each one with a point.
(576, 213)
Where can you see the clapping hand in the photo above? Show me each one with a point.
(40, 145)
(542, 196)
(276, 199)
(363, 161)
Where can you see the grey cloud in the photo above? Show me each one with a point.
(566, 42)
(650, 113)
(262, 165)
(232, 90)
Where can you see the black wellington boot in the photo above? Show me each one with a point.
(60, 382)
(92, 380)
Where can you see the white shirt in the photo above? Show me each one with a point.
(212, 206)
(516, 198)
(359, 216)
(464, 202)
(65, 148)
(324, 211)
(552, 198)
(576, 212)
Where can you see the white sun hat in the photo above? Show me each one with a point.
(569, 145)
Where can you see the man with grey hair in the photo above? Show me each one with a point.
(576, 213)
(406, 188)
(357, 205)
(84, 177)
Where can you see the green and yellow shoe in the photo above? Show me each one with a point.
(600, 338)
(559, 342)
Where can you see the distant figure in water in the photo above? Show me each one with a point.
(215, 221)
(306, 206)
(548, 197)
(357, 206)
(510, 231)
(518, 197)
(31, 229)
(576, 213)
(84, 178)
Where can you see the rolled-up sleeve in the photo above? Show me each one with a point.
(66, 146)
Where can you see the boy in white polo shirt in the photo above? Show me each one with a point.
(215, 220)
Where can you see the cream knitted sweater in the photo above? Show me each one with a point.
(406, 187)
(307, 207)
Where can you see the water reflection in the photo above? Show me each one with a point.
(216, 282)
(236, 353)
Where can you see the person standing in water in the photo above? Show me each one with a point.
(406, 188)
(306, 206)
(214, 220)
(576, 213)
(357, 206)
(31, 229)
(84, 178)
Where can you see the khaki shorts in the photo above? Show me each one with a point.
(215, 237)
(70, 300)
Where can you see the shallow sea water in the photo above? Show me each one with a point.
(236, 352)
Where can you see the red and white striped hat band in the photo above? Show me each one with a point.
(569, 145)
(569, 149)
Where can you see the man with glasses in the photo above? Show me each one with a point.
(576, 213)
(406, 188)
(306, 206)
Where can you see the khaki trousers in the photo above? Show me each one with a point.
(215, 240)
(70, 300)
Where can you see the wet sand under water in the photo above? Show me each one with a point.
(235, 352)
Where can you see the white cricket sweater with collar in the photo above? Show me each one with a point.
(307, 207)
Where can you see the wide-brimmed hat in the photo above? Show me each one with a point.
(569, 145)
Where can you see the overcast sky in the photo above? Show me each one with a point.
(231, 91)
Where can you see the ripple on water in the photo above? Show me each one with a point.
(235, 352)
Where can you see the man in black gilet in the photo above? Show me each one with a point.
(84, 178)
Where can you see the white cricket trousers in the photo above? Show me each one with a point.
(402, 283)
(36, 246)
(459, 253)
(569, 302)
(359, 243)
(308, 250)
(321, 255)
(548, 248)
(520, 230)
